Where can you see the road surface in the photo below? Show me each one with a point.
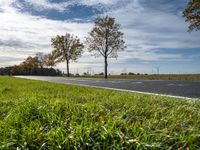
(189, 89)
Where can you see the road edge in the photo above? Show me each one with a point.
(115, 89)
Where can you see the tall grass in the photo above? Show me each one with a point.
(42, 115)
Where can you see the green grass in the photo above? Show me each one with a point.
(42, 115)
(149, 77)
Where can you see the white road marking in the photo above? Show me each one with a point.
(172, 84)
(83, 80)
(137, 82)
(115, 81)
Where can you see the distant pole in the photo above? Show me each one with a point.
(158, 70)
(152, 71)
(124, 70)
(92, 71)
(89, 70)
(77, 71)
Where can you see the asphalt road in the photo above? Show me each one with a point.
(190, 89)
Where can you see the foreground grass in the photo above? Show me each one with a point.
(42, 115)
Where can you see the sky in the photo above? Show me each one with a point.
(154, 31)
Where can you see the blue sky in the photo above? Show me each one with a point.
(154, 31)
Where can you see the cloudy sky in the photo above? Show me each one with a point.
(154, 30)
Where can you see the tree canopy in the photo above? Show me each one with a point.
(192, 14)
(66, 48)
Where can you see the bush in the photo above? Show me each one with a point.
(16, 70)
(130, 73)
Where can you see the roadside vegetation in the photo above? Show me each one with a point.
(42, 115)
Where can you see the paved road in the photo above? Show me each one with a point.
(189, 89)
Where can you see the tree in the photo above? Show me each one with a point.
(30, 65)
(105, 39)
(192, 14)
(41, 57)
(49, 61)
(66, 48)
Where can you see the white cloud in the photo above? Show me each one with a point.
(45, 4)
(41, 5)
(95, 2)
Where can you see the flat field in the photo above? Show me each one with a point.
(42, 115)
(149, 77)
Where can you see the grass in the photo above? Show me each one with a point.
(42, 115)
(149, 77)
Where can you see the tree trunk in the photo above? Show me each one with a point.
(67, 63)
(105, 54)
(106, 68)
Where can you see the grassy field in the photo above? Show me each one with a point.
(150, 77)
(42, 115)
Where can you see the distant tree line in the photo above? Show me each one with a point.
(131, 73)
(38, 65)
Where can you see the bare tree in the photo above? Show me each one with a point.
(49, 60)
(105, 39)
(41, 57)
(66, 48)
(192, 14)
